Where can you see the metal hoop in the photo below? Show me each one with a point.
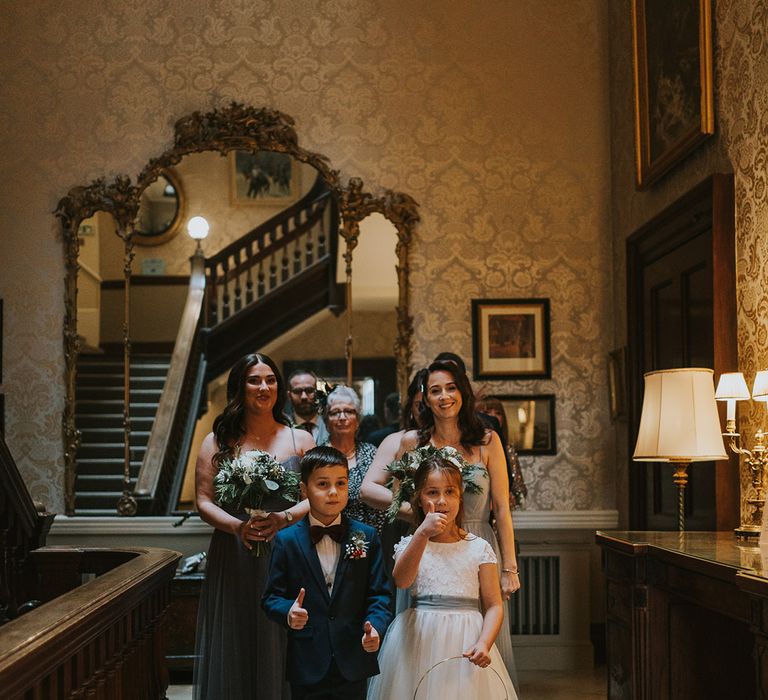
(452, 658)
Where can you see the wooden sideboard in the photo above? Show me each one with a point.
(686, 616)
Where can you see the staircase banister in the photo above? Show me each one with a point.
(63, 632)
(317, 194)
(161, 433)
(273, 247)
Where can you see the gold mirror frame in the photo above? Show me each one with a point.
(234, 127)
(144, 239)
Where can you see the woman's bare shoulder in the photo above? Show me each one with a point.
(208, 446)
(409, 441)
(304, 440)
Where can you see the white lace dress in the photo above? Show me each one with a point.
(443, 622)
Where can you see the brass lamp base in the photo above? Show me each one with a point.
(747, 532)
(680, 477)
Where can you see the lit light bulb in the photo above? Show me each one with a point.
(198, 228)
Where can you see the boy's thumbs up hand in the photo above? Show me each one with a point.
(297, 615)
(371, 639)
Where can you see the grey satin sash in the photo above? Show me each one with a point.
(452, 602)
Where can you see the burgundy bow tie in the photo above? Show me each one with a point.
(335, 532)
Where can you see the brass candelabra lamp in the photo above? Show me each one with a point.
(732, 388)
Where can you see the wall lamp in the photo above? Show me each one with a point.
(732, 388)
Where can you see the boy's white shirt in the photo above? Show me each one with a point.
(328, 552)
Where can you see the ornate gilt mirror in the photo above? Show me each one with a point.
(243, 169)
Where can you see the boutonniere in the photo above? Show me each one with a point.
(357, 547)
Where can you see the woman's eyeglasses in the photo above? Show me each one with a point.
(338, 412)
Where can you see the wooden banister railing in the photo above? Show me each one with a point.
(171, 433)
(22, 529)
(101, 639)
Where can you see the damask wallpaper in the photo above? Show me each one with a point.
(494, 116)
(740, 145)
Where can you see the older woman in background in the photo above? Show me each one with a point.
(342, 416)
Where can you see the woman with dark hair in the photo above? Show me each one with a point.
(448, 418)
(239, 652)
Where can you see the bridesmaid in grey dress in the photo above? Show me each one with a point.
(239, 653)
(448, 418)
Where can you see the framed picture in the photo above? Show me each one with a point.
(531, 423)
(510, 338)
(617, 383)
(263, 178)
(674, 105)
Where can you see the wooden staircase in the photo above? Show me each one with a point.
(99, 418)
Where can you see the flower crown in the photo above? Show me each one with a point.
(404, 471)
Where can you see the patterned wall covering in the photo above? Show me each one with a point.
(496, 121)
(740, 145)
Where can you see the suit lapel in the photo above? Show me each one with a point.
(310, 554)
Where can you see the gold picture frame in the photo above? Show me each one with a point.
(674, 100)
(263, 178)
(617, 383)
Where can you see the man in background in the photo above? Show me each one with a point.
(302, 395)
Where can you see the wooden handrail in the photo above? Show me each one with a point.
(183, 351)
(101, 639)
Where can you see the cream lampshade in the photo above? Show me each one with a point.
(731, 388)
(760, 387)
(679, 424)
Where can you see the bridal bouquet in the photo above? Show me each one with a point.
(244, 481)
(404, 469)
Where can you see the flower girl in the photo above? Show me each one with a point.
(448, 572)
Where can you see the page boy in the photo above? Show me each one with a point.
(327, 584)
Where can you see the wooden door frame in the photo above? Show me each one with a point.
(708, 204)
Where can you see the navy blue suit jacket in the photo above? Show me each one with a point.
(334, 629)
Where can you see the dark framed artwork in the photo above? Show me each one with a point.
(531, 423)
(510, 338)
(265, 178)
(617, 383)
(674, 102)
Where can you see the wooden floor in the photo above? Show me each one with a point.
(534, 685)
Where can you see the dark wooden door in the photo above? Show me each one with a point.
(681, 313)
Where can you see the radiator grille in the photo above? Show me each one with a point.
(535, 608)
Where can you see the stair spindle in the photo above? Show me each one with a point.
(272, 272)
(321, 238)
(212, 293)
(309, 247)
(297, 257)
(225, 309)
(249, 274)
(238, 286)
(260, 280)
(284, 263)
